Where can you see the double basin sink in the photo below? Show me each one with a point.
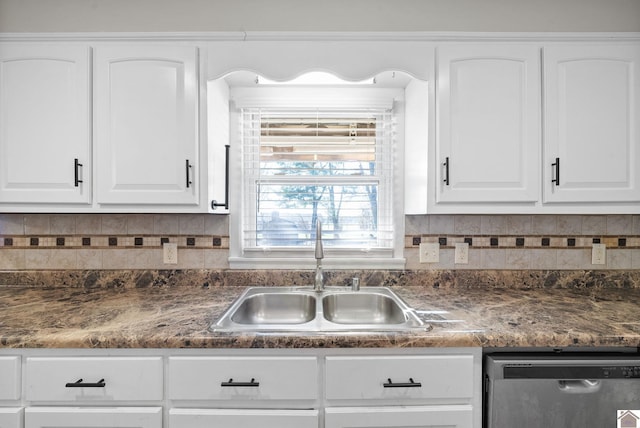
(334, 309)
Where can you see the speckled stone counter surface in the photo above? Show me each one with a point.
(487, 309)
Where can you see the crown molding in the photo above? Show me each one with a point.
(250, 36)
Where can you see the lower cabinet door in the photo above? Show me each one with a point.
(458, 416)
(11, 417)
(242, 418)
(93, 417)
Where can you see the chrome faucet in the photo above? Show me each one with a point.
(319, 280)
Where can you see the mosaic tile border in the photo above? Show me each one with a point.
(525, 241)
(112, 241)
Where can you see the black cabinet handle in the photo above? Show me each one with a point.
(557, 167)
(80, 384)
(225, 204)
(76, 171)
(410, 384)
(252, 383)
(446, 171)
(188, 172)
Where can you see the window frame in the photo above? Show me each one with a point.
(323, 98)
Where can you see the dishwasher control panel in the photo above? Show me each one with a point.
(529, 371)
(621, 372)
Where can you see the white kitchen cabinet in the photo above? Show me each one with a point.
(592, 123)
(243, 379)
(10, 377)
(243, 418)
(399, 417)
(93, 392)
(400, 378)
(218, 144)
(11, 417)
(241, 387)
(106, 378)
(146, 125)
(96, 417)
(488, 124)
(45, 124)
(10, 380)
(431, 389)
(363, 388)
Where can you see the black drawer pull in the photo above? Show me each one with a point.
(411, 384)
(76, 172)
(556, 164)
(225, 204)
(188, 173)
(446, 171)
(80, 384)
(251, 383)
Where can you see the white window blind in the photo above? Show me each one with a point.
(331, 165)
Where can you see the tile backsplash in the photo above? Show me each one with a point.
(523, 242)
(111, 241)
(134, 241)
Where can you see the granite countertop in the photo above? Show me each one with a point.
(178, 317)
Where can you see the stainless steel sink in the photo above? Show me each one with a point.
(362, 308)
(303, 310)
(275, 308)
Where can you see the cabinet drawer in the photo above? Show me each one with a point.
(9, 378)
(92, 379)
(399, 378)
(93, 417)
(11, 417)
(243, 418)
(243, 378)
(405, 417)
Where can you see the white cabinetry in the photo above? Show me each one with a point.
(45, 128)
(376, 388)
(488, 124)
(10, 380)
(403, 390)
(88, 379)
(400, 378)
(242, 418)
(243, 380)
(100, 392)
(11, 417)
(487, 155)
(97, 417)
(271, 388)
(592, 123)
(146, 125)
(401, 417)
(271, 391)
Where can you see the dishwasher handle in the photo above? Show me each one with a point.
(580, 386)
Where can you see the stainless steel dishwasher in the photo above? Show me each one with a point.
(568, 391)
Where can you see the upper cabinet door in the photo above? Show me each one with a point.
(45, 132)
(488, 123)
(592, 123)
(146, 125)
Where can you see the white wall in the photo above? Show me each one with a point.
(320, 15)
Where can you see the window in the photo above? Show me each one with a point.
(304, 166)
(304, 162)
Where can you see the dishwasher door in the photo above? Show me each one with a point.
(561, 392)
